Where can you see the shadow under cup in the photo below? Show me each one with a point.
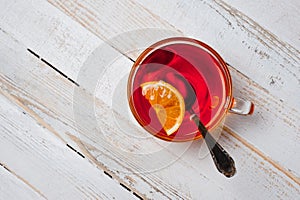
(201, 76)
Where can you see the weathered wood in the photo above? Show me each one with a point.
(249, 47)
(51, 105)
(13, 188)
(284, 23)
(20, 77)
(45, 164)
(48, 96)
(255, 49)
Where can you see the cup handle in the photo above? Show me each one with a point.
(241, 107)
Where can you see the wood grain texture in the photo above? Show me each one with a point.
(255, 49)
(271, 15)
(45, 164)
(51, 103)
(49, 33)
(13, 188)
(41, 102)
(48, 97)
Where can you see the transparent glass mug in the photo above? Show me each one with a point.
(198, 72)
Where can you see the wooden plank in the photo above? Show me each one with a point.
(51, 104)
(255, 49)
(45, 163)
(13, 188)
(281, 22)
(70, 43)
(58, 39)
(19, 79)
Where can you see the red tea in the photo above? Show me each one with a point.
(195, 73)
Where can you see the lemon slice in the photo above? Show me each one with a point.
(167, 102)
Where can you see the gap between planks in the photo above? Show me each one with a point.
(91, 159)
(54, 68)
(22, 180)
(105, 171)
(261, 154)
(50, 131)
(226, 128)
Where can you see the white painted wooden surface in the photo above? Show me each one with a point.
(263, 48)
(12, 188)
(45, 164)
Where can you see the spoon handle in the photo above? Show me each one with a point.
(221, 158)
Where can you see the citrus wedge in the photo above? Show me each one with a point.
(167, 102)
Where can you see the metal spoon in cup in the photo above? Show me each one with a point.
(223, 161)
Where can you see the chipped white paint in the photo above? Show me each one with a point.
(46, 97)
(44, 164)
(255, 50)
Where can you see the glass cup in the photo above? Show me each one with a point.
(198, 72)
